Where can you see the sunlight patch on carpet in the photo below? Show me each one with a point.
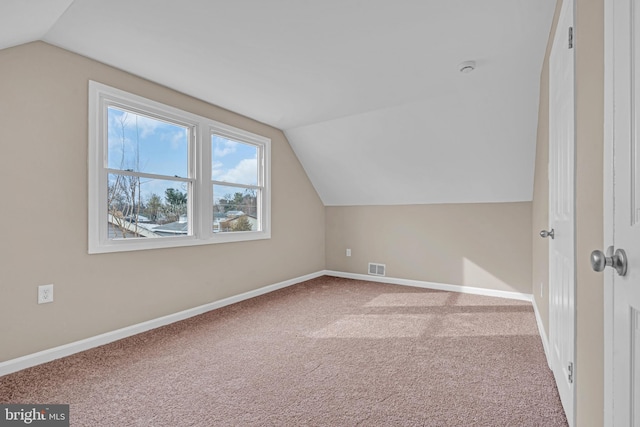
(486, 324)
(425, 299)
(376, 326)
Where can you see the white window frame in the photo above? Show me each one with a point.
(200, 162)
(233, 135)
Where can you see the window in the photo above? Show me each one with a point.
(235, 174)
(162, 177)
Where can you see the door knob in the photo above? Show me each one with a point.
(545, 233)
(617, 260)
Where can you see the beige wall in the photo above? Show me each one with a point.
(589, 53)
(480, 245)
(43, 167)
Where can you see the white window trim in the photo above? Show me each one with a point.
(201, 203)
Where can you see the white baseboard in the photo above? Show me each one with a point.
(45, 356)
(543, 333)
(433, 285)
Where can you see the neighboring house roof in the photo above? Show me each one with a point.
(172, 228)
(130, 227)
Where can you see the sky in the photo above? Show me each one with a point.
(163, 150)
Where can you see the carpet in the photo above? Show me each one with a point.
(325, 352)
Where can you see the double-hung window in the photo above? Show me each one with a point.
(162, 177)
(237, 176)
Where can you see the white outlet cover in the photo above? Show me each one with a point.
(45, 294)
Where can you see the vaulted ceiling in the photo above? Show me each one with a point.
(368, 92)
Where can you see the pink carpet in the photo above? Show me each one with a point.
(326, 352)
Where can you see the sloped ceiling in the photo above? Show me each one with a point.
(368, 92)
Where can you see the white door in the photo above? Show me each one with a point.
(622, 211)
(562, 210)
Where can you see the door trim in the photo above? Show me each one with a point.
(608, 206)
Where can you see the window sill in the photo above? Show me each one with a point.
(137, 244)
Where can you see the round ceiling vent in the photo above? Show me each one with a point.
(467, 66)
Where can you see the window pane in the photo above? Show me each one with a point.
(234, 209)
(234, 162)
(142, 144)
(142, 207)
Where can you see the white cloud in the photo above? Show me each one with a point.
(225, 147)
(243, 173)
(145, 125)
(217, 170)
(178, 139)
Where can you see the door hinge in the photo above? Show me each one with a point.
(570, 37)
(570, 369)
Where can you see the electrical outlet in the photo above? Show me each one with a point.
(45, 294)
(348, 252)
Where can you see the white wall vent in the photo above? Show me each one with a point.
(376, 269)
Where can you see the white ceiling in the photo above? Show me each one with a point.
(367, 91)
